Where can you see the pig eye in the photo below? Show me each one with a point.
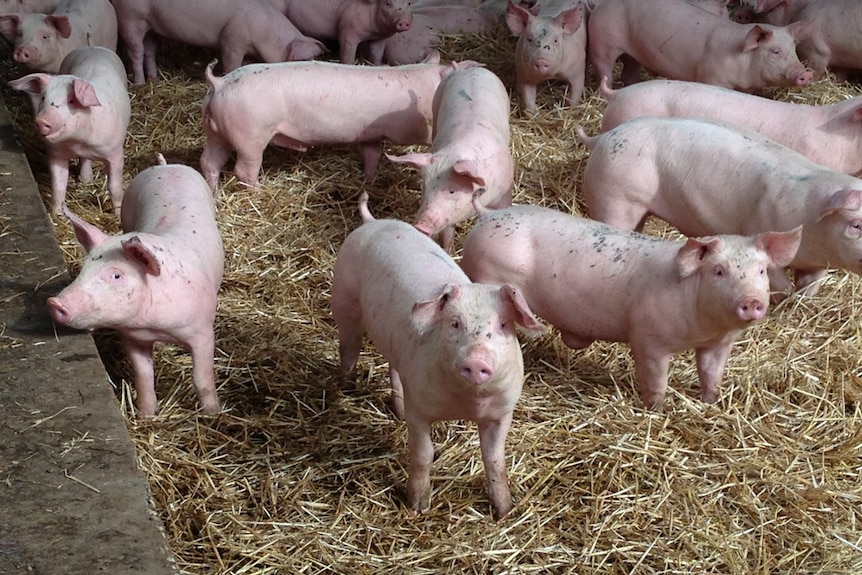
(718, 271)
(504, 324)
(456, 324)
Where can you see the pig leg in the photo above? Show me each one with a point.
(808, 281)
(347, 45)
(247, 167)
(625, 216)
(59, 169)
(348, 319)
(115, 181)
(203, 372)
(214, 157)
(231, 57)
(371, 152)
(375, 51)
(151, 44)
(133, 34)
(576, 89)
(447, 238)
(397, 393)
(141, 356)
(710, 367)
(651, 370)
(85, 170)
(421, 459)
(779, 284)
(528, 96)
(492, 441)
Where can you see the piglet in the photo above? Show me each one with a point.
(469, 151)
(551, 46)
(596, 282)
(158, 281)
(253, 28)
(828, 135)
(350, 22)
(667, 167)
(451, 344)
(82, 112)
(28, 6)
(429, 23)
(302, 104)
(42, 41)
(675, 39)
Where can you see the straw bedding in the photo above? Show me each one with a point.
(303, 474)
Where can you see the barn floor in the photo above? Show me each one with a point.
(73, 499)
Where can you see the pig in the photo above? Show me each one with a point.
(42, 41)
(420, 40)
(667, 167)
(28, 6)
(350, 22)
(83, 112)
(253, 28)
(156, 282)
(828, 135)
(469, 151)
(596, 282)
(675, 39)
(834, 44)
(551, 45)
(314, 103)
(451, 344)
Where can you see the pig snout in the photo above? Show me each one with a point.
(45, 125)
(804, 78)
(751, 309)
(59, 312)
(403, 23)
(542, 65)
(476, 369)
(23, 54)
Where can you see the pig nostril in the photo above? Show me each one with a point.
(476, 371)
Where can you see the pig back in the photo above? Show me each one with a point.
(174, 204)
(466, 98)
(100, 66)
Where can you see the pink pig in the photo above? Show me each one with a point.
(469, 151)
(451, 344)
(28, 6)
(82, 112)
(835, 43)
(158, 281)
(42, 41)
(828, 135)
(420, 40)
(350, 22)
(675, 39)
(313, 103)
(552, 45)
(596, 282)
(668, 167)
(248, 28)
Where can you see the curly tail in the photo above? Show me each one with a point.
(214, 80)
(605, 88)
(583, 138)
(363, 209)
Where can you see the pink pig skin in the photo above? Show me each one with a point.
(315, 103)
(828, 135)
(42, 41)
(596, 282)
(28, 6)
(82, 112)
(552, 45)
(350, 22)
(158, 281)
(429, 23)
(239, 28)
(451, 344)
(470, 151)
(675, 39)
(667, 167)
(835, 43)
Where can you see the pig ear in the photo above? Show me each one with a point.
(781, 247)
(31, 83)
(846, 200)
(417, 161)
(857, 114)
(755, 37)
(523, 314)
(60, 24)
(468, 169)
(137, 251)
(761, 6)
(571, 19)
(691, 255)
(802, 29)
(89, 236)
(9, 26)
(427, 313)
(84, 93)
(517, 19)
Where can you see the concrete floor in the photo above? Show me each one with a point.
(72, 497)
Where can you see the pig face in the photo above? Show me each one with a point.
(542, 40)
(475, 331)
(732, 273)
(774, 53)
(59, 103)
(36, 38)
(394, 14)
(840, 224)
